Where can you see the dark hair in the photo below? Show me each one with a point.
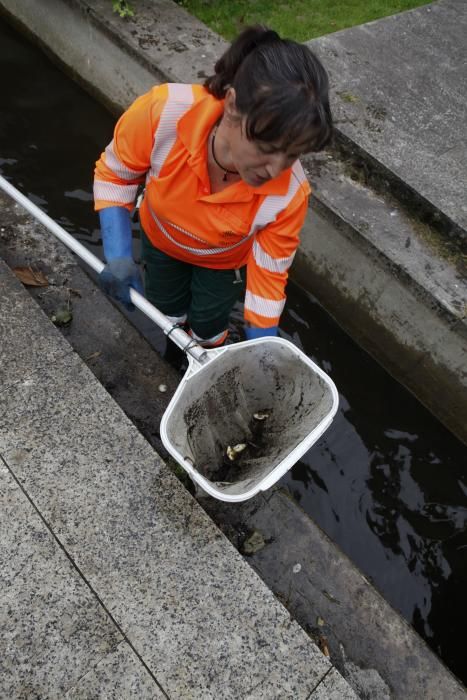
(281, 88)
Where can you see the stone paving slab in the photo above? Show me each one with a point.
(399, 87)
(99, 332)
(53, 628)
(333, 687)
(120, 675)
(135, 534)
(200, 619)
(41, 342)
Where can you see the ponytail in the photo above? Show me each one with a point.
(228, 64)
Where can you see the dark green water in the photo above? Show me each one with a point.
(387, 482)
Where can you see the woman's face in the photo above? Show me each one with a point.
(257, 161)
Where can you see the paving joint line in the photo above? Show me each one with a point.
(320, 681)
(83, 577)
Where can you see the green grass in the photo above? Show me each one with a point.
(297, 19)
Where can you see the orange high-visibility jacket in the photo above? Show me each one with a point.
(162, 141)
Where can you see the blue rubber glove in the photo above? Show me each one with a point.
(121, 271)
(253, 333)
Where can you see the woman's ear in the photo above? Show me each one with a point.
(232, 116)
(230, 107)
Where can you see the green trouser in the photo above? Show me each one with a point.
(205, 295)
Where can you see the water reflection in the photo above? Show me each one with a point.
(389, 484)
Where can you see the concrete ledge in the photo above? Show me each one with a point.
(118, 60)
(405, 304)
(96, 330)
(411, 318)
(398, 87)
(105, 521)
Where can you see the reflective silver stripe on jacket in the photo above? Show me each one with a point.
(109, 191)
(263, 307)
(267, 262)
(119, 168)
(194, 251)
(179, 101)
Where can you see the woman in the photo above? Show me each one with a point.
(225, 195)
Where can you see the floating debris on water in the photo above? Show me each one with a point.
(261, 415)
(162, 388)
(234, 452)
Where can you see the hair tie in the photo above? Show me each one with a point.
(268, 37)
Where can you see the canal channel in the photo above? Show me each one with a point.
(387, 483)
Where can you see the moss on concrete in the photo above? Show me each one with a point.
(441, 234)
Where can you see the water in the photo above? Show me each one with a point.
(387, 482)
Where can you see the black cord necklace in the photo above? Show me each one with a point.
(226, 171)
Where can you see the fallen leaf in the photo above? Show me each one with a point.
(323, 645)
(30, 277)
(348, 96)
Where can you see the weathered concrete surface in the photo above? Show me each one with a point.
(44, 605)
(112, 349)
(399, 87)
(119, 60)
(370, 643)
(370, 650)
(152, 565)
(377, 294)
(333, 687)
(399, 290)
